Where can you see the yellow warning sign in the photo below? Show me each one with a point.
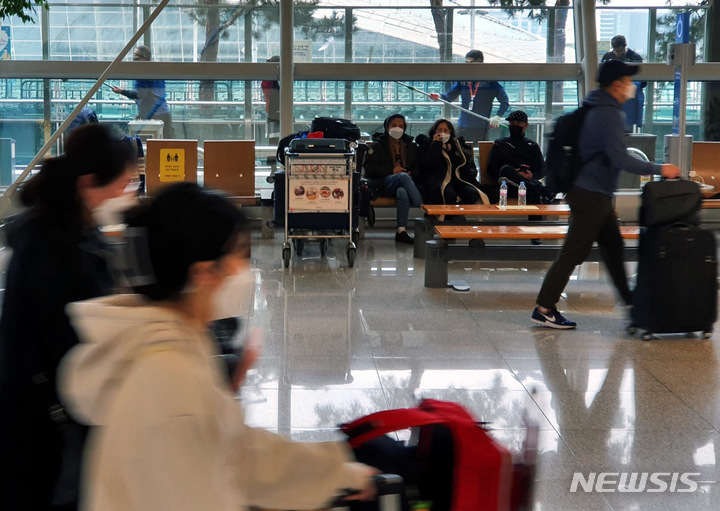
(172, 165)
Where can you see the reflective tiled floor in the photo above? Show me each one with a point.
(341, 343)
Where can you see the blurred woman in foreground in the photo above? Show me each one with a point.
(172, 435)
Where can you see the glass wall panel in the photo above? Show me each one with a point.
(648, 31)
(424, 34)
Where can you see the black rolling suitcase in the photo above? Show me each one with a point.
(676, 290)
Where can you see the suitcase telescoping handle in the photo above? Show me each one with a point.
(388, 488)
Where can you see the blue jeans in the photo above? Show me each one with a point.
(402, 187)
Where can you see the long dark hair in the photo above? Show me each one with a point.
(182, 225)
(90, 149)
(431, 131)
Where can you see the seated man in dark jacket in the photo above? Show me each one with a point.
(517, 158)
(389, 167)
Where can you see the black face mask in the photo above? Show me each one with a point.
(516, 131)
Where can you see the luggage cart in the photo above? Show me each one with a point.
(319, 193)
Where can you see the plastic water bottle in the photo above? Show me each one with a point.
(522, 195)
(503, 195)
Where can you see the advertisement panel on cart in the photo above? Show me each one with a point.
(310, 194)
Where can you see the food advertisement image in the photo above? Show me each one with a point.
(318, 195)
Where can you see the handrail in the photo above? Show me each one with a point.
(10, 191)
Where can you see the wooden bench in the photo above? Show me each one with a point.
(424, 227)
(705, 157)
(439, 251)
(494, 210)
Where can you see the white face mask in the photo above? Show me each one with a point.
(444, 137)
(233, 297)
(630, 91)
(111, 211)
(396, 132)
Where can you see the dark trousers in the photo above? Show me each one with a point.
(168, 129)
(465, 192)
(592, 219)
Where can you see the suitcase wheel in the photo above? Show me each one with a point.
(647, 336)
(707, 334)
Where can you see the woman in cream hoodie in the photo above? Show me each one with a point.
(168, 432)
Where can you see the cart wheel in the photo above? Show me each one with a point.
(355, 236)
(351, 257)
(647, 336)
(299, 247)
(323, 246)
(286, 256)
(371, 216)
(707, 333)
(632, 329)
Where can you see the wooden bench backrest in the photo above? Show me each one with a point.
(706, 162)
(483, 157)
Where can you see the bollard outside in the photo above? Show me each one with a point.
(424, 230)
(436, 263)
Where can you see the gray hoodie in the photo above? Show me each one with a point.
(170, 434)
(603, 146)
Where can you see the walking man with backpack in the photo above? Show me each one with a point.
(602, 149)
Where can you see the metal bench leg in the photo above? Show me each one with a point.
(436, 263)
(424, 229)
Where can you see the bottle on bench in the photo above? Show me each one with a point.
(522, 195)
(503, 195)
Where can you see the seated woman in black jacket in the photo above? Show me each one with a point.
(447, 167)
(390, 168)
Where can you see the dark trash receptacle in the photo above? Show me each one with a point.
(436, 259)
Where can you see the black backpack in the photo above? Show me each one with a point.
(284, 142)
(336, 128)
(563, 158)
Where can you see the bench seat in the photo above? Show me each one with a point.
(494, 210)
(439, 252)
(382, 202)
(516, 232)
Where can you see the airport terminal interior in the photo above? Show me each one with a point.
(350, 325)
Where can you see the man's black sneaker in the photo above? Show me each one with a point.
(552, 319)
(403, 237)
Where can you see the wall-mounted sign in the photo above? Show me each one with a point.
(172, 165)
